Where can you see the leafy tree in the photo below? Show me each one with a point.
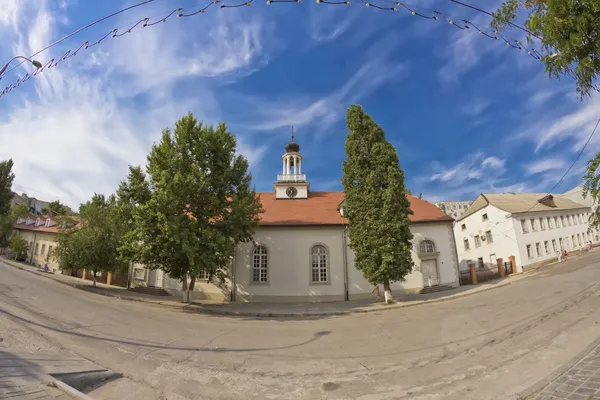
(93, 244)
(591, 187)
(6, 179)
(201, 204)
(7, 221)
(376, 204)
(19, 246)
(569, 31)
(56, 208)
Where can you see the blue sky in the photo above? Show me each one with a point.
(466, 114)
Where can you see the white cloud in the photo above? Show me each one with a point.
(326, 110)
(544, 165)
(328, 23)
(73, 129)
(475, 107)
(493, 162)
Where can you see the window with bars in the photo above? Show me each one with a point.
(319, 260)
(427, 246)
(260, 265)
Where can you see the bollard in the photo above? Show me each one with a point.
(473, 274)
(501, 269)
(513, 264)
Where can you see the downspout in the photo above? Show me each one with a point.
(233, 285)
(455, 254)
(33, 247)
(345, 256)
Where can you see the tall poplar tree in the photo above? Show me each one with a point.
(376, 204)
(201, 203)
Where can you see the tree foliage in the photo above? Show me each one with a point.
(591, 187)
(19, 247)
(94, 243)
(200, 203)
(7, 221)
(569, 32)
(56, 208)
(376, 204)
(6, 179)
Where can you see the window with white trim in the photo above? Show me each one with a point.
(543, 224)
(260, 265)
(538, 250)
(319, 260)
(550, 226)
(427, 246)
(489, 237)
(466, 244)
(524, 226)
(203, 275)
(533, 225)
(477, 241)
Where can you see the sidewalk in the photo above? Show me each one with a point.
(277, 309)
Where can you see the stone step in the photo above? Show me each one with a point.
(434, 289)
(151, 290)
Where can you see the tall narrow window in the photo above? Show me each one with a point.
(542, 224)
(319, 264)
(43, 249)
(477, 241)
(260, 265)
(529, 255)
(538, 249)
(466, 243)
(488, 235)
(524, 226)
(550, 226)
(533, 225)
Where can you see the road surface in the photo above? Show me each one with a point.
(492, 345)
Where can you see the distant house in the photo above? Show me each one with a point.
(41, 234)
(455, 209)
(532, 227)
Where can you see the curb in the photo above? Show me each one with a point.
(69, 390)
(198, 309)
(556, 374)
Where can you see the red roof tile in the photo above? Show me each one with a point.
(321, 208)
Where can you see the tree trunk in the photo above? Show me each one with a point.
(184, 288)
(192, 283)
(387, 291)
(94, 277)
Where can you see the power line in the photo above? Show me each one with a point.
(81, 29)
(492, 15)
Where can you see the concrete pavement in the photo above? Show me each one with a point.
(494, 345)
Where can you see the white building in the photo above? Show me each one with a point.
(533, 227)
(455, 209)
(301, 253)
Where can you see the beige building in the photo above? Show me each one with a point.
(301, 249)
(41, 235)
(455, 209)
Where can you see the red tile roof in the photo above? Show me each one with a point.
(321, 208)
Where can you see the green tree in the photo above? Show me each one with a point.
(201, 204)
(569, 31)
(94, 243)
(19, 246)
(376, 204)
(6, 224)
(6, 180)
(591, 187)
(56, 208)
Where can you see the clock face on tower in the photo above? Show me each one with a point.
(291, 192)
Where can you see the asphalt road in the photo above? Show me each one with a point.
(492, 345)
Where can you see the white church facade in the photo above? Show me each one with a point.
(301, 253)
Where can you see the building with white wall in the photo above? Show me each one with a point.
(301, 249)
(455, 209)
(532, 227)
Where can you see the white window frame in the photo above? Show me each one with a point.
(533, 226)
(489, 237)
(319, 255)
(426, 246)
(554, 245)
(546, 247)
(538, 249)
(542, 224)
(466, 244)
(203, 275)
(477, 240)
(259, 273)
(524, 227)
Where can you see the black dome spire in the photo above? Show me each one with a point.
(292, 146)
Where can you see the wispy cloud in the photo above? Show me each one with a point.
(79, 127)
(493, 162)
(475, 107)
(544, 165)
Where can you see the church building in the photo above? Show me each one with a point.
(301, 252)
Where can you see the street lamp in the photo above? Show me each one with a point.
(35, 63)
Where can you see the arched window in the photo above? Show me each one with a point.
(319, 264)
(427, 246)
(259, 265)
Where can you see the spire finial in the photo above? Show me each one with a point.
(292, 131)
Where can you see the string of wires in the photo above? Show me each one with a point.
(391, 5)
(117, 33)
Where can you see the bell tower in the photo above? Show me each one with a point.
(291, 183)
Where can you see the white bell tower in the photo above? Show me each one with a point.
(291, 183)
